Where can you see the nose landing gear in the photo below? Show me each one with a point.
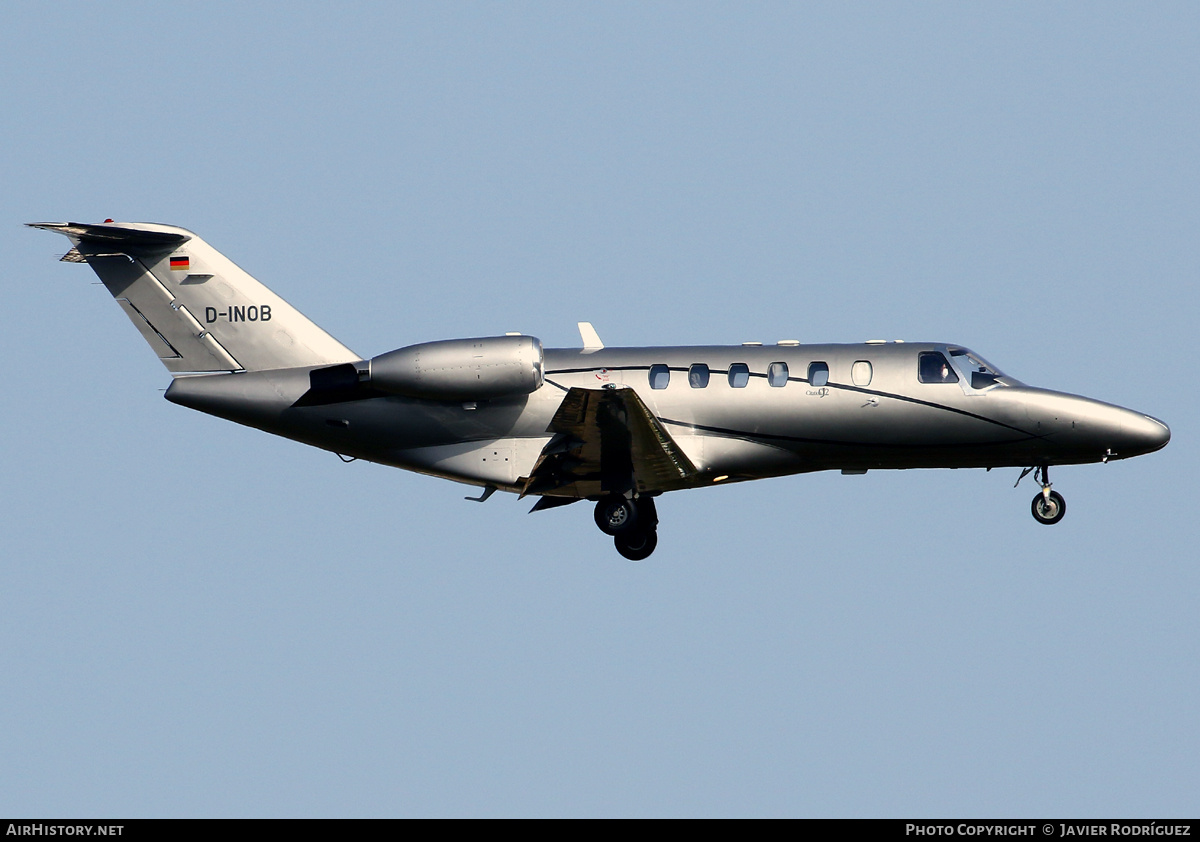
(632, 523)
(1048, 506)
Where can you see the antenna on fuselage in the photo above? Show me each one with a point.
(591, 339)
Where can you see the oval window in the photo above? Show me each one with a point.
(739, 375)
(818, 374)
(660, 376)
(861, 373)
(777, 374)
(698, 376)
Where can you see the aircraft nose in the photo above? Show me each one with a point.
(1085, 426)
(1143, 434)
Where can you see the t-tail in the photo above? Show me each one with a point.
(194, 306)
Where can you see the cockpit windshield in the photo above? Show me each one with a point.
(981, 373)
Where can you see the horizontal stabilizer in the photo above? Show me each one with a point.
(113, 235)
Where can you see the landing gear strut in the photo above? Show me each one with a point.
(1048, 506)
(632, 523)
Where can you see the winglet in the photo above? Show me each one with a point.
(591, 339)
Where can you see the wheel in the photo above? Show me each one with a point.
(1049, 511)
(615, 514)
(637, 544)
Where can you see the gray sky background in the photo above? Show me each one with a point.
(201, 620)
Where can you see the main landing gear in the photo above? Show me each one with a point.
(1048, 506)
(632, 523)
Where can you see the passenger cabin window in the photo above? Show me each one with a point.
(698, 376)
(739, 375)
(818, 373)
(777, 374)
(660, 376)
(860, 373)
(933, 367)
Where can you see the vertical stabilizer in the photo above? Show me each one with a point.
(194, 306)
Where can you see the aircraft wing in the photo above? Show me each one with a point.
(607, 440)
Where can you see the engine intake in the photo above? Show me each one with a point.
(461, 369)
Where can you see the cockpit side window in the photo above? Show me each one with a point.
(660, 376)
(818, 373)
(698, 376)
(933, 367)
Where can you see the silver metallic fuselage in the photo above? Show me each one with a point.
(729, 433)
(616, 425)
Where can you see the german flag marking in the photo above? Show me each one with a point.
(179, 264)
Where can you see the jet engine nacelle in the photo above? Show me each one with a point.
(461, 369)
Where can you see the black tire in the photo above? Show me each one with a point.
(1048, 511)
(615, 514)
(637, 544)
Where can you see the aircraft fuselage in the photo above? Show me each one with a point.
(758, 423)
